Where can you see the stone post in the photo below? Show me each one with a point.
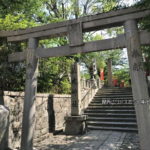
(139, 85)
(109, 74)
(28, 124)
(75, 89)
(75, 124)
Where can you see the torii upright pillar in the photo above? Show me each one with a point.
(30, 96)
(139, 85)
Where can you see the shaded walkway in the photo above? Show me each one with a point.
(92, 140)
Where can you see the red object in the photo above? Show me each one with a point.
(122, 84)
(147, 73)
(115, 82)
(102, 74)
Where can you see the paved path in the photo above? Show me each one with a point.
(92, 140)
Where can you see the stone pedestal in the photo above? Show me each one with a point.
(75, 125)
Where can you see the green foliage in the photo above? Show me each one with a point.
(29, 8)
(145, 24)
(146, 52)
(12, 74)
(55, 75)
(122, 74)
(11, 22)
(101, 59)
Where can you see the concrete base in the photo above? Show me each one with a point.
(75, 125)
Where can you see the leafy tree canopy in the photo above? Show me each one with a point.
(54, 72)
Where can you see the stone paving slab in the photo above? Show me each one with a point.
(92, 140)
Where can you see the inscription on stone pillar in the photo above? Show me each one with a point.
(137, 66)
(139, 85)
(75, 89)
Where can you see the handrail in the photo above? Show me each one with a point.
(87, 98)
(87, 92)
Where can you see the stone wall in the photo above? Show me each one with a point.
(50, 112)
(59, 107)
(42, 118)
(4, 117)
(15, 105)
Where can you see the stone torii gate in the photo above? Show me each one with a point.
(132, 39)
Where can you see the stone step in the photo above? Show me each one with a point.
(110, 107)
(113, 90)
(113, 96)
(112, 124)
(112, 99)
(113, 128)
(114, 93)
(118, 115)
(112, 104)
(116, 88)
(109, 111)
(111, 119)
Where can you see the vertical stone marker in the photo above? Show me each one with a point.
(109, 75)
(139, 85)
(30, 96)
(75, 124)
(75, 89)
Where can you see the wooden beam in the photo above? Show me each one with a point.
(100, 45)
(90, 23)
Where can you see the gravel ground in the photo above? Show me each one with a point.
(130, 142)
(92, 140)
